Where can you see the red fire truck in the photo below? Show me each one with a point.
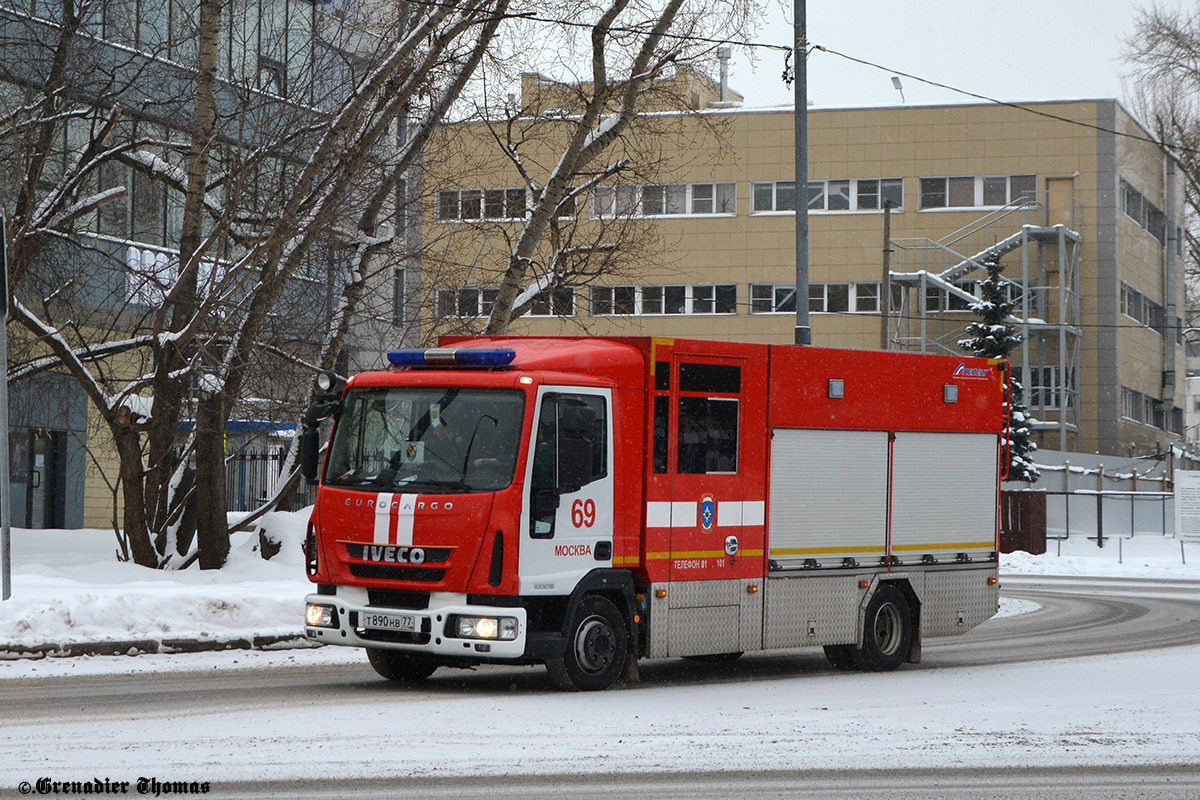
(587, 502)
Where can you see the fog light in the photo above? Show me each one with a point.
(504, 628)
(321, 616)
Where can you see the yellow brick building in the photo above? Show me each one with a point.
(1071, 195)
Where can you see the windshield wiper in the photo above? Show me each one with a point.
(410, 482)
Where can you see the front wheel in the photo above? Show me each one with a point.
(399, 666)
(887, 631)
(597, 644)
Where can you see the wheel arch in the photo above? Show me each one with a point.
(616, 586)
(905, 586)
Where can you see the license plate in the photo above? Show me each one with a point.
(387, 622)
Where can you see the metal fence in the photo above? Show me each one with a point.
(1106, 513)
(252, 478)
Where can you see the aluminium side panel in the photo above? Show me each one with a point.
(944, 497)
(828, 493)
(956, 600)
(806, 609)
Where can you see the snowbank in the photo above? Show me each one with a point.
(68, 587)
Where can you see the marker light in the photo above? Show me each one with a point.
(453, 357)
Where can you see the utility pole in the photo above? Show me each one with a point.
(5, 487)
(800, 56)
(885, 282)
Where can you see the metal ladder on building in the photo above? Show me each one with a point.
(932, 287)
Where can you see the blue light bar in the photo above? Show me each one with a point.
(453, 357)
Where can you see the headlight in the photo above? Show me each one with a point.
(321, 616)
(503, 628)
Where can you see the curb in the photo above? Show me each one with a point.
(137, 647)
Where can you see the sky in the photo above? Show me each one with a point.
(1008, 50)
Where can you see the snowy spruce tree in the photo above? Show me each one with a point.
(994, 337)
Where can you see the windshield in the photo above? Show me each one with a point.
(427, 440)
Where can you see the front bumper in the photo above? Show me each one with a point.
(433, 635)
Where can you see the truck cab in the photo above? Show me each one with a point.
(466, 507)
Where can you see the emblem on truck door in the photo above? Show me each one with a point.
(708, 510)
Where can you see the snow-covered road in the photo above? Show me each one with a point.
(307, 714)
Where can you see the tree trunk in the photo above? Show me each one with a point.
(212, 530)
(132, 492)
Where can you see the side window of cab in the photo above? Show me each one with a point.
(570, 451)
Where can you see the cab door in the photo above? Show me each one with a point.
(567, 519)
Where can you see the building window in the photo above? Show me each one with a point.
(1043, 389)
(772, 298)
(466, 303)
(774, 196)
(482, 204)
(272, 76)
(665, 200)
(1138, 208)
(557, 302)
(841, 298)
(613, 301)
(655, 300)
(1132, 406)
(1137, 306)
(834, 195)
(873, 194)
(398, 297)
(973, 191)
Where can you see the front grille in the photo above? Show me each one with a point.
(398, 598)
(388, 573)
(378, 553)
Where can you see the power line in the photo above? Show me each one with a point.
(1017, 106)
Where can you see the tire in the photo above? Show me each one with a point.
(715, 658)
(400, 667)
(841, 656)
(887, 631)
(597, 644)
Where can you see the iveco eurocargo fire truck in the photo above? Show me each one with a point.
(589, 502)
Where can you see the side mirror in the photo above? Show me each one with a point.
(310, 432)
(310, 448)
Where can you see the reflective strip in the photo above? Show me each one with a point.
(730, 513)
(701, 554)
(908, 548)
(383, 519)
(658, 515)
(683, 515)
(394, 518)
(820, 551)
(404, 519)
(749, 513)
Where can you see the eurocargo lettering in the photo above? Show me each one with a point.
(586, 503)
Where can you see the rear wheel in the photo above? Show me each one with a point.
(887, 631)
(597, 644)
(399, 666)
